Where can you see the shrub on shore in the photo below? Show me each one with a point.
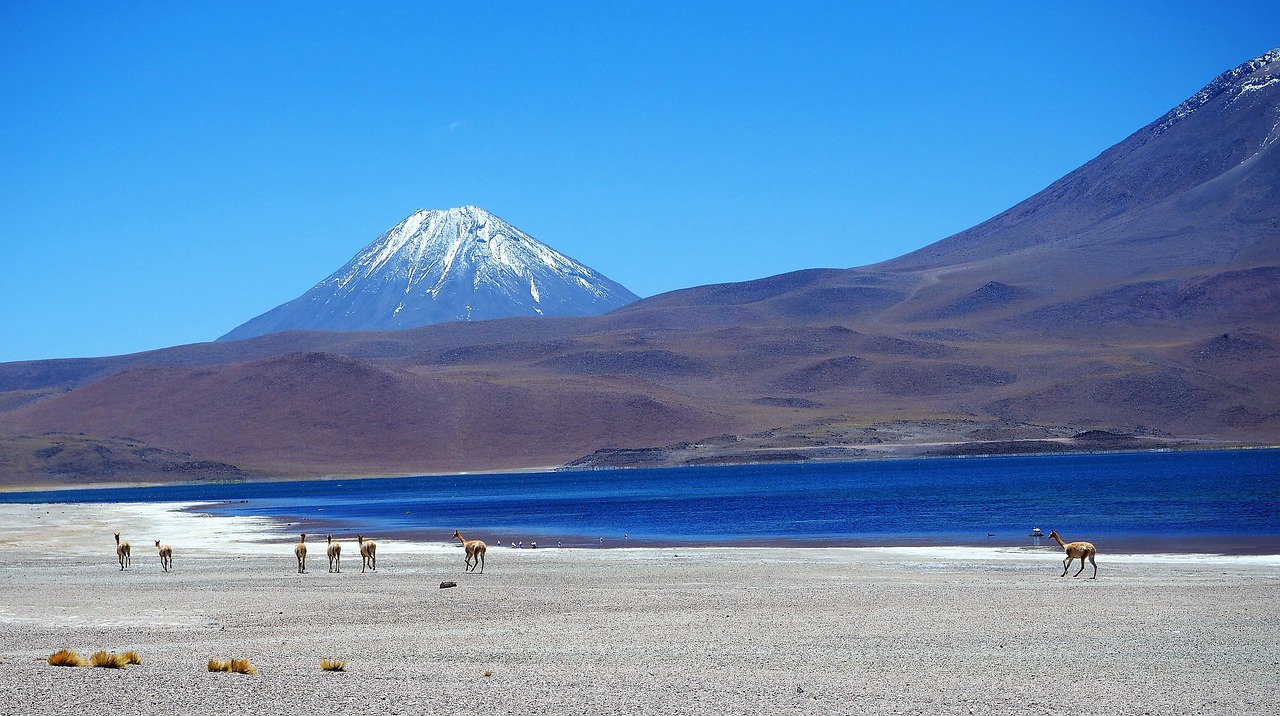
(106, 660)
(235, 666)
(65, 657)
(332, 665)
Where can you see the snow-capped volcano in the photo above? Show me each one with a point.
(462, 264)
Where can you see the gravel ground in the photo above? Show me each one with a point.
(628, 631)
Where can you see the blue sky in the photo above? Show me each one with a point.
(170, 170)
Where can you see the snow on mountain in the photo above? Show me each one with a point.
(461, 264)
(1251, 76)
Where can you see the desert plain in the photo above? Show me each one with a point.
(617, 631)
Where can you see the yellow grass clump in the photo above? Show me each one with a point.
(236, 666)
(65, 657)
(332, 665)
(106, 660)
(131, 657)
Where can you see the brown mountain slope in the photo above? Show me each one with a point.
(59, 459)
(312, 413)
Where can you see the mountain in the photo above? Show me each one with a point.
(1179, 222)
(462, 264)
(1195, 187)
(1134, 303)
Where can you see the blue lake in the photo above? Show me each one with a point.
(1212, 501)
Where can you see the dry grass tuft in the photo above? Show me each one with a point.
(487, 674)
(237, 666)
(65, 657)
(332, 665)
(131, 657)
(108, 661)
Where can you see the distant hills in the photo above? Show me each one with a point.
(461, 264)
(1133, 303)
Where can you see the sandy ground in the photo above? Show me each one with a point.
(626, 631)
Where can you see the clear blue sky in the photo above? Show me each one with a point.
(170, 170)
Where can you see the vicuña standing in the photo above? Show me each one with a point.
(1076, 550)
(335, 555)
(300, 551)
(368, 553)
(166, 555)
(122, 552)
(475, 552)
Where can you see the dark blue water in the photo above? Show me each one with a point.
(1218, 501)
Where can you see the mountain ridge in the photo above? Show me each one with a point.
(1205, 137)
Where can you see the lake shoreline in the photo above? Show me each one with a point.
(66, 525)
(1186, 503)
